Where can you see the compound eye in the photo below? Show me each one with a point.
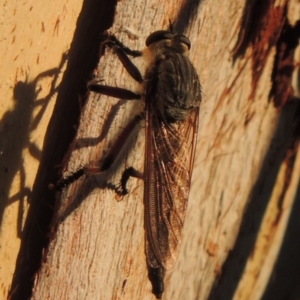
(158, 36)
(183, 39)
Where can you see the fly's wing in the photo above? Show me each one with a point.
(170, 149)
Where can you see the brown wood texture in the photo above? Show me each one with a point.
(245, 176)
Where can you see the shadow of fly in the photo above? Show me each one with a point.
(172, 96)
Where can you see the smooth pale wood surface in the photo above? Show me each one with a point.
(97, 249)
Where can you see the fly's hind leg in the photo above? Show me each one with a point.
(129, 172)
(109, 159)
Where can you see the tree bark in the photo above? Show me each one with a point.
(246, 171)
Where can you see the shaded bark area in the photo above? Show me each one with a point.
(284, 283)
(285, 142)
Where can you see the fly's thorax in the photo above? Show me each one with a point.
(171, 84)
(159, 48)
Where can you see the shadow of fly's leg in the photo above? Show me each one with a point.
(121, 51)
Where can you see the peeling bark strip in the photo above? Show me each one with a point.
(265, 26)
(284, 64)
(261, 28)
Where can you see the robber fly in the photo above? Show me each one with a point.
(172, 96)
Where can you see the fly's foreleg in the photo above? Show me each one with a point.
(112, 40)
(122, 52)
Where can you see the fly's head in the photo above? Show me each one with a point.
(164, 40)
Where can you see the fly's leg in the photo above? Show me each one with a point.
(122, 52)
(64, 182)
(108, 161)
(118, 145)
(112, 91)
(112, 40)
